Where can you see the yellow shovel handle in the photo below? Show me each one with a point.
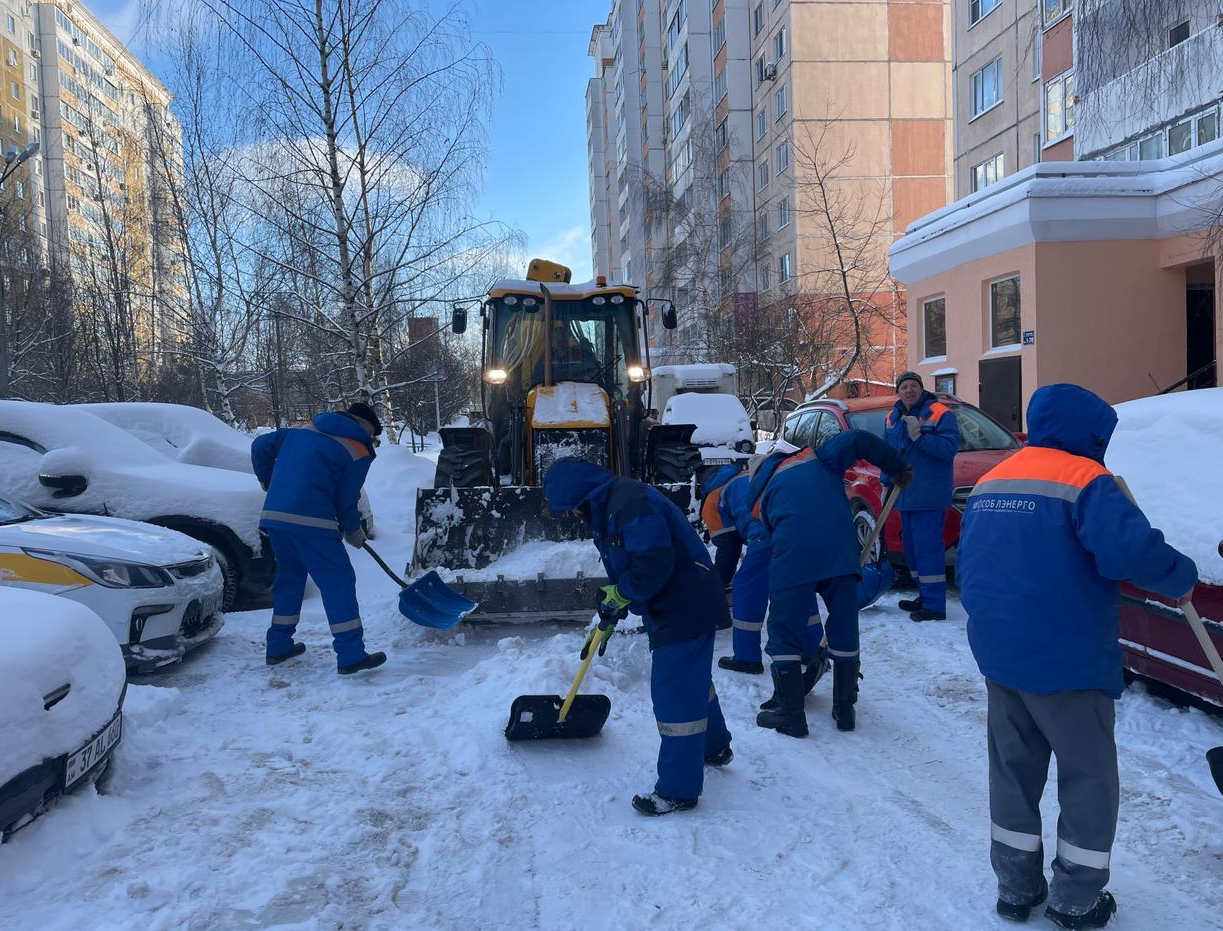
(593, 640)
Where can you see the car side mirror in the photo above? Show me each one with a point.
(64, 486)
(669, 319)
(65, 471)
(458, 319)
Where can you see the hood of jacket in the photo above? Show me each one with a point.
(570, 482)
(1072, 419)
(334, 423)
(719, 477)
(926, 398)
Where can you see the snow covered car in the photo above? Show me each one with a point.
(723, 428)
(1168, 448)
(159, 591)
(64, 460)
(186, 434)
(62, 686)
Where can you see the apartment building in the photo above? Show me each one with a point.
(22, 200)
(601, 156)
(865, 87)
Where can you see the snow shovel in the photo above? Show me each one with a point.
(888, 500)
(548, 717)
(428, 601)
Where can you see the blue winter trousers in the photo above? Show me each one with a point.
(750, 602)
(923, 541)
(322, 558)
(689, 717)
(794, 622)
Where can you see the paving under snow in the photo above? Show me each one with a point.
(244, 797)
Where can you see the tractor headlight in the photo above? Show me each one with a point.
(495, 376)
(108, 572)
(637, 373)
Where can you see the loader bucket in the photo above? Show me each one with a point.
(470, 528)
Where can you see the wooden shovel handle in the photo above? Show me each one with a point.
(888, 500)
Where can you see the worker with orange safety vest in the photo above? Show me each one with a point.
(925, 433)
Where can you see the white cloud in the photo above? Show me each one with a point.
(571, 247)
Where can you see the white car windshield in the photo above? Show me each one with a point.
(13, 512)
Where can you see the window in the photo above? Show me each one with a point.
(759, 70)
(679, 67)
(1055, 10)
(762, 123)
(757, 19)
(1151, 147)
(987, 173)
(934, 327)
(1059, 106)
(779, 44)
(33, 72)
(17, 122)
(987, 87)
(12, 58)
(720, 136)
(1004, 313)
(723, 183)
(762, 225)
(1180, 137)
(798, 428)
(18, 440)
(944, 384)
(762, 175)
(825, 428)
(783, 157)
(14, 90)
(21, 223)
(780, 103)
(765, 284)
(719, 86)
(783, 213)
(1178, 34)
(12, 26)
(724, 232)
(1036, 147)
(978, 8)
(21, 189)
(1208, 127)
(719, 35)
(1038, 51)
(784, 269)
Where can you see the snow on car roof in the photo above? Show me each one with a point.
(1169, 449)
(698, 371)
(719, 418)
(188, 434)
(51, 642)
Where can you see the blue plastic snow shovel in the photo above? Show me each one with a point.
(428, 601)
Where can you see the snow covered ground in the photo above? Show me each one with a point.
(245, 797)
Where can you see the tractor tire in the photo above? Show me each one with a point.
(463, 467)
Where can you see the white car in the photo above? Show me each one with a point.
(723, 428)
(62, 686)
(157, 590)
(179, 432)
(60, 458)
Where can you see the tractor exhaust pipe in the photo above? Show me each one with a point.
(547, 334)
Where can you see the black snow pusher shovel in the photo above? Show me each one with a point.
(548, 717)
(428, 601)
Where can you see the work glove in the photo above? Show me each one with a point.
(355, 538)
(904, 477)
(913, 425)
(610, 598)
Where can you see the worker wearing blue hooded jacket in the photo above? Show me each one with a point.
(313, 476)
(926, 434)
(658, 567)
(1046, 537)
(727, 513)
(801, 501)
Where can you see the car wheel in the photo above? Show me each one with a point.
(864, 525)
(229, 575)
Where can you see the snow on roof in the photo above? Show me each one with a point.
(696, 371)
(50, 642)
(948, 370)
(1169, 449)
(557, 288)
(720, 418)
(187, 434)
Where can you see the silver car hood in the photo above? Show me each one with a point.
(105, 538)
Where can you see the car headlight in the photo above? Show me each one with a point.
(108, 572)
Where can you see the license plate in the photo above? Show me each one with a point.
(80, 763)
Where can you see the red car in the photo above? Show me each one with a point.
(983, 444)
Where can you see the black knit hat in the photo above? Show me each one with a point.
(906, 376)
(366, 413)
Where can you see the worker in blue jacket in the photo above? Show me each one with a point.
(727, 514)
(313, 476)
(801, 501)
(658, 568)
(925, 433)
(1046, 537)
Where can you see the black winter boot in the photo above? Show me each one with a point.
(1101, 912)
(845, 676)
(740, 665)
(371, 661)
(910, 604)
(1020, 911)
(788, 717)
(297, 649)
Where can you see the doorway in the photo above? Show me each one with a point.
(1201, 367)
(1001, 384)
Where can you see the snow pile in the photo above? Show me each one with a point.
(49, 642)
(570, 403)
(1169, 449)
(187, 434)
(126, 477)
(391, 485)
(698, 375)
(720, 418)
(555, 559)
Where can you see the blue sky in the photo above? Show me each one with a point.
(536, 177)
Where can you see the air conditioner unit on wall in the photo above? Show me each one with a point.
(35, 53)
(770, 71)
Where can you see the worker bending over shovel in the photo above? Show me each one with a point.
(658, 568)
(801, 501)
